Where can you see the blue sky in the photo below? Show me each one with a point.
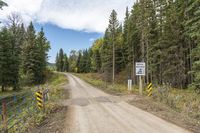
(66, 39)
(68, 24)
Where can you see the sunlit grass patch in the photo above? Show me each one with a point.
(97, 81)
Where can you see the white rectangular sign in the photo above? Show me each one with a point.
(140, 68)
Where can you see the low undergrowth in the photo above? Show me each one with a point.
(186, 101)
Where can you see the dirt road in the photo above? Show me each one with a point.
(93, 111)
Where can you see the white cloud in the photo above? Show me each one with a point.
(91, 39)
(86, 15)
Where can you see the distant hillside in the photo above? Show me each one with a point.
(51, 64)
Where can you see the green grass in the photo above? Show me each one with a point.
(55, 84)
(56, 79)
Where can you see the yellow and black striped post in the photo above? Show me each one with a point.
(39, 97)
(149, 89)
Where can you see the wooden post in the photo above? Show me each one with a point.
(4, 116)
(43, 99)
(140, 85)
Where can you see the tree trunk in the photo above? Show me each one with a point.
(113, 78)
(134, 79)
(190, 48)
(2, 88)
(147, 61)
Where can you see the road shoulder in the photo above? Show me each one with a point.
(147, 104)
(164, 112)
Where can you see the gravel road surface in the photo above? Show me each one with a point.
(93, 111)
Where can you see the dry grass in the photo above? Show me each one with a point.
(97, 80)
(183, 101)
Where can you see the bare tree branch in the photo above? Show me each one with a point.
(14, 20)
(2, 4)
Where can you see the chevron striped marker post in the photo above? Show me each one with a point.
(39, 97)
(149, 89)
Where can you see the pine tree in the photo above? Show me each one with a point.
(98, 62)
(57, 62)
(110, 41)
(192, 30)
(126, 44)
(78, 63)
(85, 62)
(133, 39)
(120, 55)
(6, 78)
(66, 64)
(30, 57)
(17, 30)
(61, 60)
(43, 46)
(106, 54)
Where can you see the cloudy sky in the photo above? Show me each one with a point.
(83, 20)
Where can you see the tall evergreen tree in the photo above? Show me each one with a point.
(126, 44)
(57, 63)
(133, 41)
(43, 47)
(106, 54)
(110, 45)
(78, 63)
(192, 30)
(85, 62)
(61, 60)
(98, 62)
(66, 64)
(6, 78)
(17, 30)
(30, 54)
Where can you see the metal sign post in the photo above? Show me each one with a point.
(140, 71)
